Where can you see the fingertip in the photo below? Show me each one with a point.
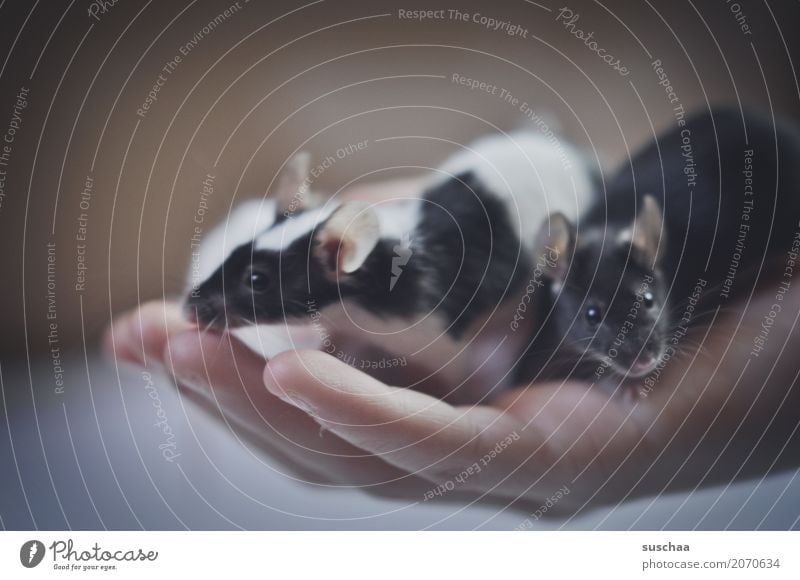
(122, 340)
(293, 369)
(139, 336)
(333, 391)
(157, 322)
(184, 354)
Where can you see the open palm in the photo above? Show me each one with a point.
(715, 414)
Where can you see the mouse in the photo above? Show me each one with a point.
(684, 229)
(415, 278)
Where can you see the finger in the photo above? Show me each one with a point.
(285, 464)
(572, 422)
(139, 336)
(408, 429)
(229, 375)
(561, 412)
(224, 370)
(601, 444)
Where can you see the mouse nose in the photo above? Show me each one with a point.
(202, 311)
(648, 357)
(644, 360)
(189, 313)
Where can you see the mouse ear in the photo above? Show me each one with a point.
(347, 237)
(554, 246)
(291, 190)
(648, 237)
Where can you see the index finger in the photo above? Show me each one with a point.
(406, 428)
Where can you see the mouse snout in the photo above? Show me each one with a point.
(648, 357)
(651, 349)
(203, 311)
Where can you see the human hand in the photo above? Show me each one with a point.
(713, 416)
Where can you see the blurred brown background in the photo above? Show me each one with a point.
(269, 77)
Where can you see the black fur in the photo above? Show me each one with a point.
(703, 223)
(471, 252)
(464, 259)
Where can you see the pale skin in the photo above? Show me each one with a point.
(703, 422)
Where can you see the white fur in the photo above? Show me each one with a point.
(267, 341)
(293, 228)
(534, 176)
(241, 225)
(524, 169)
(624, 237)
(397, 218)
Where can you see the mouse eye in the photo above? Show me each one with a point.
(593, 315)
(648, 299)
(256, 280)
